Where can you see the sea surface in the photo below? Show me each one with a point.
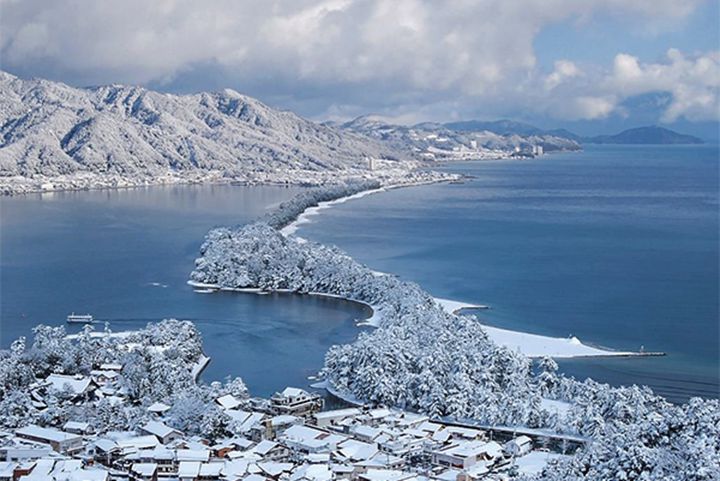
(125, 256)
(617, 245)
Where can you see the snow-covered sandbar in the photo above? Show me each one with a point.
(304, 218)
(534, 345)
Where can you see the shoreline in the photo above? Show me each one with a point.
(14, 186)
(531, 345)
(303, 218)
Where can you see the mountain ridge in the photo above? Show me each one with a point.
(51, 132)
(437, 141)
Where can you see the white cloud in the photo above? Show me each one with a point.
(692, 81)
(410, 52)
(564, 70)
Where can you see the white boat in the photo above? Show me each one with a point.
(79, 318)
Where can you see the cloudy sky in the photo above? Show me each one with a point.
(590, 65)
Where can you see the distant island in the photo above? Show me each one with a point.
(644, 135)
(641, 135)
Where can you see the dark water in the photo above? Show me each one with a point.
(126, 255)
(615, 245)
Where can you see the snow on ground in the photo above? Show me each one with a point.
(454, 306)
(200, 366)
(560, 408)
(535, 345)
(535, 461)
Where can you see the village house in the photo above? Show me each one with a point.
(144, 472)
(296, 402)
(22, 452)
(164, 433)
(80, 387)
(78, 428)
(519, 446)
(158, 408)
(228, 402)
(336, 417)
(271, 451)
(464, 455)
(59, 441)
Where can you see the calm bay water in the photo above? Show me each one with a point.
(616, 245)
(126, 256)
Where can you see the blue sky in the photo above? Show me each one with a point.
(590, 65)
(599, 40)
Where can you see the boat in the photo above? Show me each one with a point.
(79, 318)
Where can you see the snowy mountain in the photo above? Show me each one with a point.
(509, 127)
(56, 136)
(439, 142)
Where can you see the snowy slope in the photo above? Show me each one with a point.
(50, 132)
(438, 142)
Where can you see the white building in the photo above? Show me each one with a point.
(65, 443)
(296, 402)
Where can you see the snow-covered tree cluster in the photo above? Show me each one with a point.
(157, 364)
(672, 443)
(289, 210)
(420, 357)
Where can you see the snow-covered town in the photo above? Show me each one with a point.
(288, 437)
(128, 407)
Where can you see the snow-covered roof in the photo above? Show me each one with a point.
(520, 440)
(251, 421)
(386, 475)
(283, 419)
(89, 475)
(139, 442)
(274, 469)
(158, 429)
(7, 468)
(158, 407)
(474, 449)
(104, 373)
(78, 426)
(111, 366)
(48, 434)
(211, 469)
(293, 392)
(366, 431)
(235, 468)
(192, 455)
(144, 469)
(188, 469)
(106, 445)
(77, 384)
(264, 447)
(337, 413)
(315, 472)
(228, 401)
(357, 450)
